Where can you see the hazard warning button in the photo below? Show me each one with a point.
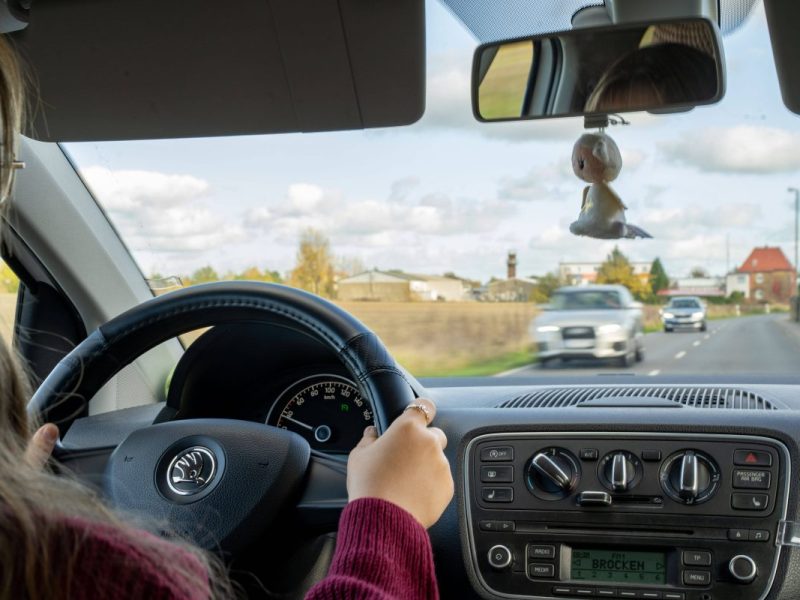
(752, 458)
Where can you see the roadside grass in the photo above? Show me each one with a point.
(484, 368)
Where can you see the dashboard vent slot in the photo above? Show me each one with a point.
(694, 397)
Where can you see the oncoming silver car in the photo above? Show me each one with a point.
(596, 321)
(684, 311)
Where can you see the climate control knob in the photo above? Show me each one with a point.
(553, 473)
(620, 471)
(690, 477)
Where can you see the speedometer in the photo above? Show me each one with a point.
(327, 410)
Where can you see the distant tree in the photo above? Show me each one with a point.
(698, 272)
(544, 289)
(618, 269)
(347, 266)
(203, 275)
(658, 277)
(736, 297)
(8, 280)
(314, 269)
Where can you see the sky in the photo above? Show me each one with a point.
(451, 194)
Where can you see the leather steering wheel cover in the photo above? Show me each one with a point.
(65, 393)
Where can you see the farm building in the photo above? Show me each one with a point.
(517, 289)
(396, 286)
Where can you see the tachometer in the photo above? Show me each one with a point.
(327, 410)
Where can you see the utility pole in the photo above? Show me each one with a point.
(796, 225)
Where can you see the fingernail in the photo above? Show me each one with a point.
(50, 433)
(370, 431)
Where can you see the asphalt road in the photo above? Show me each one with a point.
(748, 345)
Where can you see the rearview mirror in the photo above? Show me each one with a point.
(661, 67)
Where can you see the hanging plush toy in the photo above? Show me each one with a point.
(596, 160)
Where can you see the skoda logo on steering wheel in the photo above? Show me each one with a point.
(191, 471)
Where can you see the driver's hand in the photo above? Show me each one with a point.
(406, 466)
(41, 445)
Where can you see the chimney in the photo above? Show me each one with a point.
(511, 264)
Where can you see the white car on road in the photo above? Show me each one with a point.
(595, 321)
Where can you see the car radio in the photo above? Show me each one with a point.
(624, 515)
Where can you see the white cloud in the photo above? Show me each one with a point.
(738, 149)
(129, 190)
(375, 221)
(160, 212)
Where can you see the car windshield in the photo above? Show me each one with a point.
(450, 237)
(585, 300)
(684, 303)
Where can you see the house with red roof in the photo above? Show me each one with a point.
(765, 276)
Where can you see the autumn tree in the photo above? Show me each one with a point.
(658, 277)
(203, 275)
(314, 270)
(547, 284)
(256, 274)
(618, 269)
(698, 272)
(8, 279)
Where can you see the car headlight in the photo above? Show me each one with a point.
(609, 328)
(548, 329)
(669, 315)
(697, 315)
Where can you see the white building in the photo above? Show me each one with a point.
(584, 273)
(395, 286)
(738, 282)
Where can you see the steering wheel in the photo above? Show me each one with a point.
(219, 481)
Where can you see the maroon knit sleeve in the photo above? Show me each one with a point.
(108, 565)
(382, 553)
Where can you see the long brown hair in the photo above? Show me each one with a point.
(48, 521)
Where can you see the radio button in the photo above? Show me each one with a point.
(697, 577)
(540, 570)
(497, 454)
(504, 526)
(749, 501)
(743, 568)
(589, 454)
(627, 594)
(759, 535)
(499, 557)
(497, 494)
(752, 458)
(563, 590)
(606, 593)
(674, 596)
(696, 558)
(751, 479)
(738, 535)
(583, 592)
(541, 551)
(651, 595)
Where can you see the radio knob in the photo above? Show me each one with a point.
(690, 477)
(553, 473)
(620, 471)
(743, 568)
(499, 557)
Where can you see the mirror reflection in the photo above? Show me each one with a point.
(663, 66)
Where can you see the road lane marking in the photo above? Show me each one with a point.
(707, 337)
(654, 372)
(696, 343)
(680, 355)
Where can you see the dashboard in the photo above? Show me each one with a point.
(630, 491)
(274, 375)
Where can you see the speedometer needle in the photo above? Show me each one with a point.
(296, 422)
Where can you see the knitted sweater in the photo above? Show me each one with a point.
(382, 553)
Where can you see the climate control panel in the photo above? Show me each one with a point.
(625, 515)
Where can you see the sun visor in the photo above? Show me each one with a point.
(118, 70)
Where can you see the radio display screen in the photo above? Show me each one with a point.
(619, 566)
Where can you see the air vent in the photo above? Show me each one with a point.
(694, 397)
